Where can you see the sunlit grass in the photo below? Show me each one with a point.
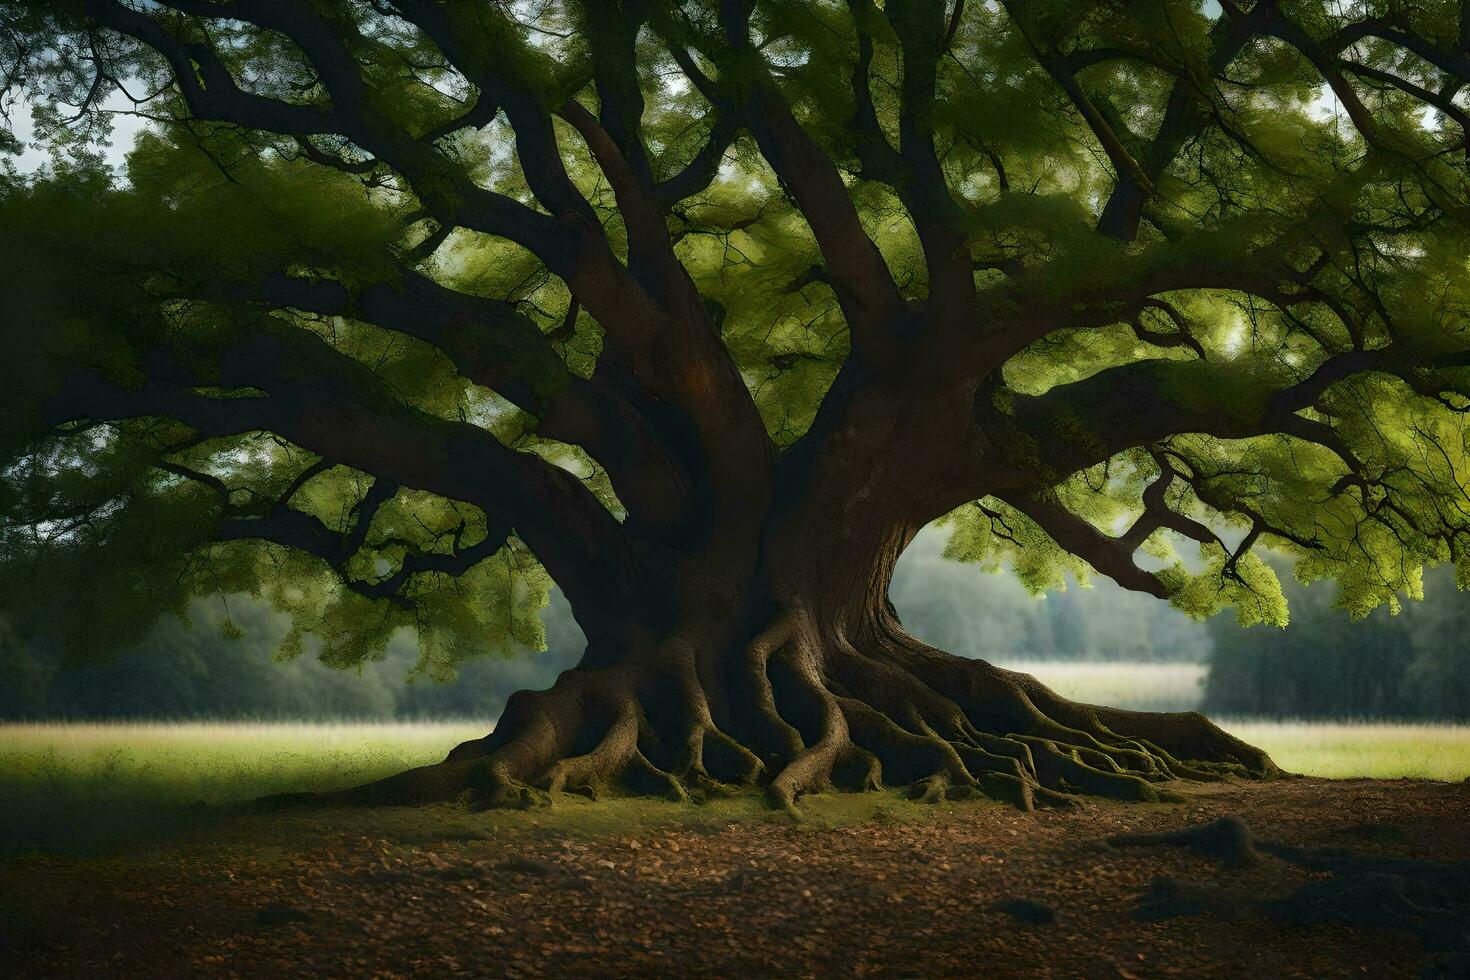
(1332, 750)
(215, 762)
(1140, 686)
(74, 785)
(64, 784)
(1372, 750)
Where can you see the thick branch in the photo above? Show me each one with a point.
(303, 532)
(1110, 556)
(870, 300)
(489, 341)
(206, 84)
(702, 169)
(336, 407)
(1114, 143)
(657, 321)
(652, 313)
(922, 36)
(1141, 403)
(211, 94)
(1186, 112)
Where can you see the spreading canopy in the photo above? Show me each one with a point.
(404, 308)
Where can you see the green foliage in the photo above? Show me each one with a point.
(996, 535)
(1249, 584)
(223, 663)
(98, 541)
(1277, 237)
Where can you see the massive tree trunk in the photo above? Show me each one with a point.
(776, 660)
(789, 697)
(738, 624)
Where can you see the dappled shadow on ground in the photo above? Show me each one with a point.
(870, 886)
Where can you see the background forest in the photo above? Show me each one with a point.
(223, 662)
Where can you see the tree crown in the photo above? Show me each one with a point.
(404, 309)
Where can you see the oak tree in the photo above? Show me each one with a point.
(700, 309)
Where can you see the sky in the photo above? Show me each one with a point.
(125, 130)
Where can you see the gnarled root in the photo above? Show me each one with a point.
(802, 710)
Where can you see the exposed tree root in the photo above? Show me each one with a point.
(1227, 840)
(805, 710)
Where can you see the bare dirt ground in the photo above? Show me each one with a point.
(961, 890)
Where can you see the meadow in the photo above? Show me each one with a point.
(1334, 750)
(1142, 686)
(74, 784)
(1374, 750)
(82, 782)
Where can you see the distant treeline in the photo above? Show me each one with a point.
(196, 669)
(1415, 665)
(203, 670)
(957, 607)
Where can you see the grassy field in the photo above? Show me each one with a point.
(217, 762)
(1345, 751)
(78, 784)
(1141, 686)
(67, 784)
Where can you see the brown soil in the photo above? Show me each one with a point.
(956, 893)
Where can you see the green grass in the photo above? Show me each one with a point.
(75, 786)
(64, 784)
(216, 762)
(1371, 750)
(78, 787)
(1140, 686)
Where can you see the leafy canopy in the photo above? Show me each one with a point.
(1218, 260)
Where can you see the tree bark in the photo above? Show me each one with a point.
(783, 665)
(738, 620)
(796, 700)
